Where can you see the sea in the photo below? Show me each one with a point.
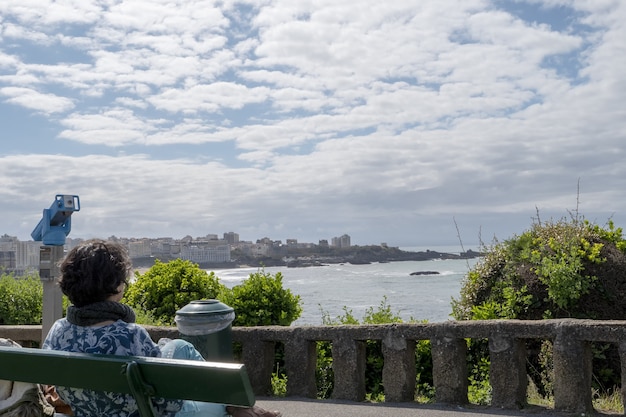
(333, 289)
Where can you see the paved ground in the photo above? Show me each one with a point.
(300, 407)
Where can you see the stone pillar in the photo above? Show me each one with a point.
(450, 370)
(349, 369)
(52, 304)
(399, 368)
(507, 374)
(258, 356)
(300, 363)
(572, 372)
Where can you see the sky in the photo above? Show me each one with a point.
(409, 122)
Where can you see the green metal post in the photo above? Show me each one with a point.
(207, 324)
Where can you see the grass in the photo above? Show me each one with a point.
(534, 398)
(606, 402)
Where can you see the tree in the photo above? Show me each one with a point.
(167, 287)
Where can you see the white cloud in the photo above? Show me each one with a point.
(48, 14)
(32, 99)
(282, 115)
(11, 31)
(533, 41)
(7, 61)
(209, 97)
(130, 102)
(116, 127)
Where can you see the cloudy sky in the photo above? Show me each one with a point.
(394, 121)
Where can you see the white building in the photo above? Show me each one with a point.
(206, 253)
(27, 255)
(341, 241)
(231, 237)
(140, 248)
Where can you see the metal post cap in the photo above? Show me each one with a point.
(204, 317)
(204, 308)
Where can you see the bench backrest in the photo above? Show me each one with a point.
(139, 376)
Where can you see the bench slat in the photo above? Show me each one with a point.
(173, 379)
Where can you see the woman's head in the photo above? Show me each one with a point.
(93, 271)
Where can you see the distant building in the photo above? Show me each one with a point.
(214, 251)
(70, 243)
(341, 241)
(7, 260)
(7, 243)
(260, 249)
(140, 248)
(232, 238)
(18, 257)
(27, 255)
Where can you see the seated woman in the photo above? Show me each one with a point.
(93, 277)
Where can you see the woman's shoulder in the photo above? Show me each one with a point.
(130, 329)
(137, 338)
(56, 332)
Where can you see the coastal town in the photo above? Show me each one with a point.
(228, 251)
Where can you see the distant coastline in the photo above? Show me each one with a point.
(356, 255)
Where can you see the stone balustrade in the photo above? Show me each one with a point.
(571, 357)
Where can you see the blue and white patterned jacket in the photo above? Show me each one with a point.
(119, 338)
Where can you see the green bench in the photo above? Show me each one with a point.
(141, 377)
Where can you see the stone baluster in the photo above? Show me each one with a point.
(507, 373)
(398, 367)
(450, 370)
(349, 368)
(572, 371)
(258, 355)
(300, 362)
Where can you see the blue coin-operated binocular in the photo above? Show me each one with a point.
(56, 222)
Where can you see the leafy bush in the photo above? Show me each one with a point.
(557, 269)
(261, 300)
(554, 270)
(167, 287)
(20, 299)
(279, 384)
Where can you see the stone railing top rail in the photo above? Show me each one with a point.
(591, 330)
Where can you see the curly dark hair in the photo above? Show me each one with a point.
(93, 271)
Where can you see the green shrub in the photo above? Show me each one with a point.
(557, 269)
(20, 299)
(279, 383)
(261, 300)
(554, 270)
